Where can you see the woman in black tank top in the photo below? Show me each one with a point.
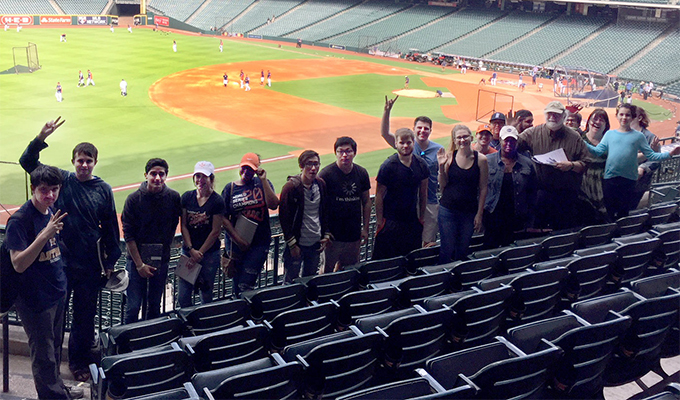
(463, 176)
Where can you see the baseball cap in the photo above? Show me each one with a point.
(483, 128)
(204, 167)
(555, 107)
(251, 160)
(118, 281)
(509, 131)
(497, 116)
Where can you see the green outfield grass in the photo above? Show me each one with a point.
(128, 131)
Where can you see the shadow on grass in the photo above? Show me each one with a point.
(19, 69)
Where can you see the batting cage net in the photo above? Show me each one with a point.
(26, 58)
(489, 102)
(584, 86)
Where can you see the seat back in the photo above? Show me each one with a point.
(536, 294)
(559, 246)
(657, 286)
(407, 389)
(597, 235)
(326, 287)
(479, 315)
(342, 366)
(270, 302)
(145, 371)
(631, 225)
(597, 309)
(217, 316)
(516, 259)
(633, 259)
(143, 334)
(185, 393)
(229, 347)
(383, 270)
(415, 289)
(587, 350)
(670, 244)
(467, 274)
(298, 325)
(420, 258)
(591, 273)
(366, 302)
(277, 382)
(661, 213)
(652, 319)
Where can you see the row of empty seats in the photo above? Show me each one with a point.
(26, 7)
(556, 37)
(218, 13)
(309, 12)
(604, 52)
(260, 13)
(447, 29)
(364, 13)
(93, 7)
(654, 65)
(394, 25)
(178, 9)
(484, 327)
(497, 34)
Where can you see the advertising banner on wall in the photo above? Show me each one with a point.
(55, 20)
(94, 20)
(16, 19)
(162, 21)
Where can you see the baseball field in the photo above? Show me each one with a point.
(177, 107)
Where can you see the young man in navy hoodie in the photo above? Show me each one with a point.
(92, 224)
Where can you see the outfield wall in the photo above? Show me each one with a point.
(59, 20)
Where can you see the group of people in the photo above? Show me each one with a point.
(64, 240)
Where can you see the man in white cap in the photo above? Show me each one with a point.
(511, 197)
(558, 183)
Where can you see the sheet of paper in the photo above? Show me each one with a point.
(551, 158)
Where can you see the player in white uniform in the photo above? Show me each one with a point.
(221, 46)
(81, 79)
(174, 46)
(129, 28)
(6, 26)
(241, 75)
(111, 28)
(269, 78)
(89, 78)
(225, 79)
(62, 38)
(123, 88)
(57, 94)
(247, 83)
(18, 27)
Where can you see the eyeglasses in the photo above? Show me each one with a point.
(311, 164)
(346, 152)
(462, 138)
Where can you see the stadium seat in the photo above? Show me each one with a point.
(632, 261)
(632, 224)
(226, 348)
(216, 316)
(269, 302)
(597, 235)
(326, 287)
(140, 335)
(466, 274)
(419, 258)
(301, 324)
(669, 234)
(419, 388)
(353, 306)
(188, 392)
(382, 270)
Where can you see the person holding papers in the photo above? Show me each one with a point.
(246, 220)
(202, 211)
(620, 172)
(559, 182)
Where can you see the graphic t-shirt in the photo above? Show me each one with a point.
(43, 283)
(199, 218)
(249, 201)
(344, 200)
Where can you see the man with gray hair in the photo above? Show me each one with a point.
(559, 182)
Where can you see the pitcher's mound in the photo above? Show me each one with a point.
(419, 94)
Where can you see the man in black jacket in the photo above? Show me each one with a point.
(150, 218)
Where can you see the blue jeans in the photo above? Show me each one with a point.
(309, 261)
(204, 283)
(136, 292)
(248, 267)
(455, 231)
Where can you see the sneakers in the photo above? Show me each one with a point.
(75, 392)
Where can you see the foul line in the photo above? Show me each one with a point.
(185, 176)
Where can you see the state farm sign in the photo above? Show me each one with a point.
(163, 21)
(16, 19)
(54, 20)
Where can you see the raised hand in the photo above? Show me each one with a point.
(55, 225)
(49, 128)
(262, 174)
(441, 156)
(389, 103)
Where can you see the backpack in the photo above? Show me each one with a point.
(9, 278)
